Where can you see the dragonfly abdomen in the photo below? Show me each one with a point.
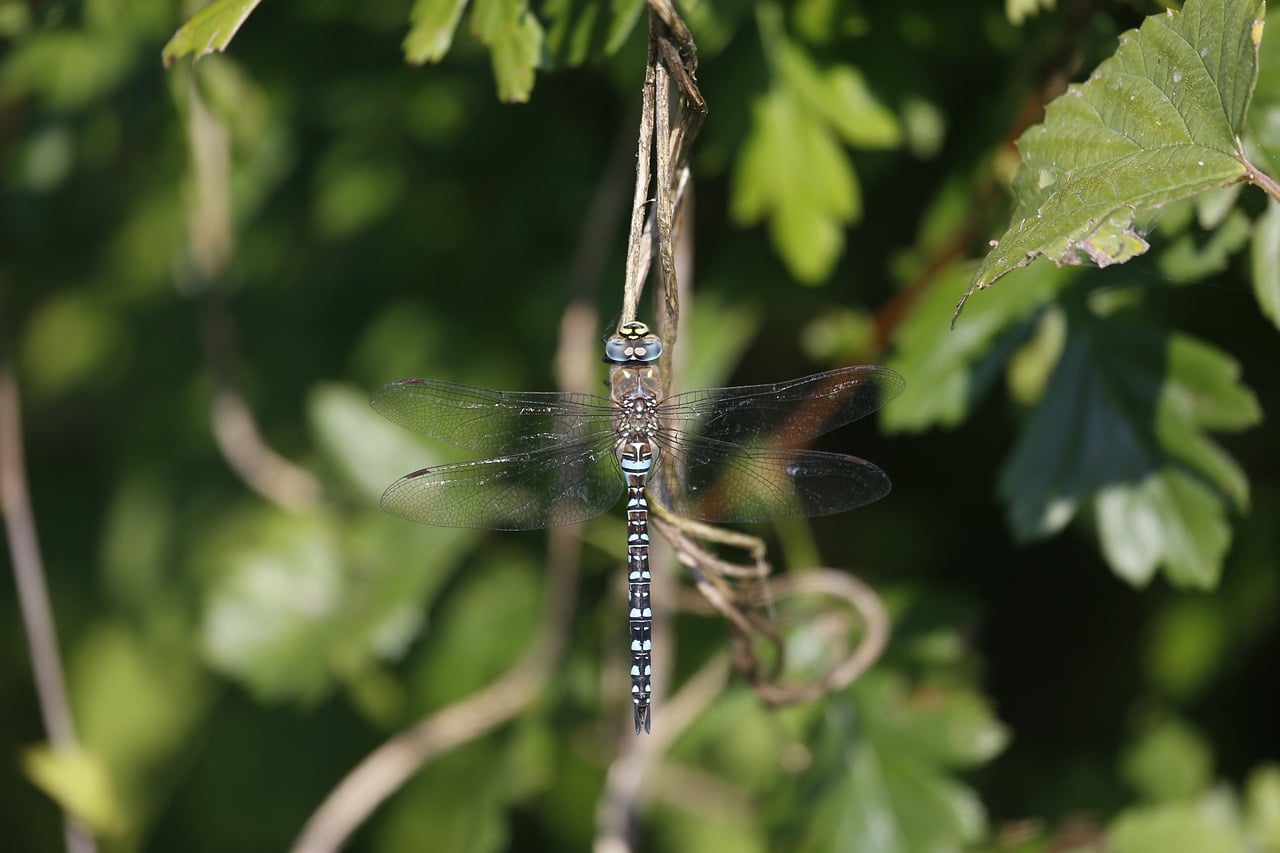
(636, 459)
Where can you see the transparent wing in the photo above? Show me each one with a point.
(527, 491)
(498, 423)
(719, 482)
(784, 413)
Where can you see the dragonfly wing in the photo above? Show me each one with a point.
(498, 423)
(528, 491)
(784, 413)
(720, 482)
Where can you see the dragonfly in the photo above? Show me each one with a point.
(720, 455)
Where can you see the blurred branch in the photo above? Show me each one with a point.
(625, 781)
(33, 592)
(210, 246)
(236, 429)
(388, 767)
(849, 666)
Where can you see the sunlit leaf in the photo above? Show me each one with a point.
(840, 95)
(1194, 827)
(1262, 800)
(1156, 122)
(79, 783)
(514, 37)
(209, 30)
(793, 173)
(433, 23)
(1018, 11)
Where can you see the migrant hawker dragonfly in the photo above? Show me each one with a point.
(717, 455)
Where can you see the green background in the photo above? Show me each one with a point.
(229, 660)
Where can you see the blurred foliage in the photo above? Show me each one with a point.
(302, 215)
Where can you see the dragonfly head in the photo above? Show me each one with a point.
(631, 343)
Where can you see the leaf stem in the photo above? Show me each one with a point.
(1256, 176)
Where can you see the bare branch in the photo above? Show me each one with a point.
(33, 592)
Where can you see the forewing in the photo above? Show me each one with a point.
(527, 491)
(499, 423)
(784, 413)
(719, 482)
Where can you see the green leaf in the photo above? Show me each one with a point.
(297, 601)
(211, 29)
(1195, 255)
(1018, 11)
(79, 783)
(1124, 420)
(882, 780)
(841, 97)
(367, 449)
(949, 373)
(1175, 828)
(1262, 798)
(579, 31)
(68, 68)
(432, 25)
(1169, 761)
(792, 172)
(1266, 262)
(1155, 123)
(1169, 517)
(514, 38)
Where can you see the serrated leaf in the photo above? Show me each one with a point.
(1123, 420)
(1266, 262)
(432, 25)
(514, 38)
(950, 373)
(792, 171)
(209, 30)
(1155, 123)
(883, 782)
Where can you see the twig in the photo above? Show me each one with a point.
(625, 780)
(33, 592)
(211, 245)
(235, 429)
